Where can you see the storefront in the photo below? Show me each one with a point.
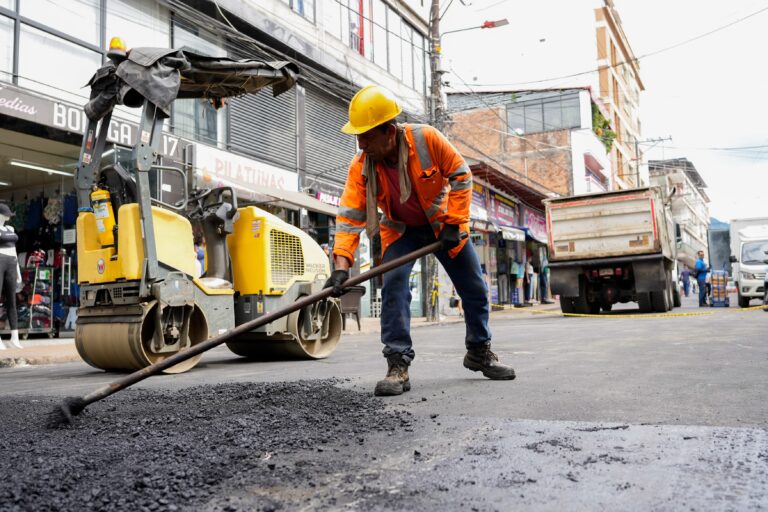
(536, 253)
(40, 141)
(509, 232)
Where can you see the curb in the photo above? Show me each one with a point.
(67, 353)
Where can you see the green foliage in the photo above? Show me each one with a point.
(602, 128)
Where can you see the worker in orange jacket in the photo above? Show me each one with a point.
(423, 187)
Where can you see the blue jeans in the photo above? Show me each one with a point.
(686, 287)
(702, 292)
(466, 275)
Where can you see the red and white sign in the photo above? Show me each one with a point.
(328, 198)
(214, 167)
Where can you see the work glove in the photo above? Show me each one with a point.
(450, 236)
(337, 279)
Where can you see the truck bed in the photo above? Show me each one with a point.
(610, 224)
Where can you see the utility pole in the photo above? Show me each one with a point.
(638, 157)
(436, 109)
(431, 295)
(436, 93)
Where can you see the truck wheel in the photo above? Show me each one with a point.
(659, 301)
(566, 305)
(743, 301)
(606, 307)
(676, 300)
(670, 291)
(594, 308)
(644, 301)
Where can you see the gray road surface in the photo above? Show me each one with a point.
(635, 413)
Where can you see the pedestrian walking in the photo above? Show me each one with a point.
(423, 187)
(701, 269)
(685, 277)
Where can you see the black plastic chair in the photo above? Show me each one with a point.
(350, 304)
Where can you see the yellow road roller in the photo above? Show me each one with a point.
(141, 300)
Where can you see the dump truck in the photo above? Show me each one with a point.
(612, 247)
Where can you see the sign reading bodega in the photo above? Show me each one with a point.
(31, 107)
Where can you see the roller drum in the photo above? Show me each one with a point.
(294, 344)
(125, 344)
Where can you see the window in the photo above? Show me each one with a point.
(395, 44)
(571, 110)
(380, 33)
(557, 111)
(356, 27)
(138, 23)
(8, 4)
(77, 18)
(418, 62)
(51, 65)
(305, 8)
(332, 12)
(6, 49)
(407, 40)
(196, 118)
(534, 118)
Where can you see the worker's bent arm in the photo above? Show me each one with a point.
(341, 263)
(351, 219)
(455, 169)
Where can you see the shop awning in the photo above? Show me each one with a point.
(293, 199)
(531, 236)
(512, 234)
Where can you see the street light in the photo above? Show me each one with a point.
(486, 24)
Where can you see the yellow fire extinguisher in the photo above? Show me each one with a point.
(105, 217)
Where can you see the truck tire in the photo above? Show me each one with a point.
(581, 303)
(743, 301)
(670, 291)
(677, 300)
(644, 301)
(566, 305)
(606, 307)
(660, 301)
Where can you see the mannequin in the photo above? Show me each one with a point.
(10, 274)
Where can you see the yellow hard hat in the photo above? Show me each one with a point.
(370, 107)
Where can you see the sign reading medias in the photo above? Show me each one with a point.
(22, 104)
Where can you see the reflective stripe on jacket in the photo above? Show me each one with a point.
(439, 176)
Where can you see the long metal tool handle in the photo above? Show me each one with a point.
(194, 350)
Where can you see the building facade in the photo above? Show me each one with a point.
(689, 205)
(586, 47)
(285, 153)
(547, 139)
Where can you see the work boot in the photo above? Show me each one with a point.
(396, 382)
(481, 359)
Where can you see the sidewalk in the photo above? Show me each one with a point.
(37, 351)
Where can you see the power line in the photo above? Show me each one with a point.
(624, 62)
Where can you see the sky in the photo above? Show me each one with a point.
(707, 94)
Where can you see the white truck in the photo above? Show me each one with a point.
(612, 247)
(749, 258)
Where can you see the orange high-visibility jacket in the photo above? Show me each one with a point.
(439, 177)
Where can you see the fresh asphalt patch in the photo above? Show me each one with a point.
(323, 445)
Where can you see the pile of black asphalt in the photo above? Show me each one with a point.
(177, 450)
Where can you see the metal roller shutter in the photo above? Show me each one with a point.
(265, 127)
(328, 151)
